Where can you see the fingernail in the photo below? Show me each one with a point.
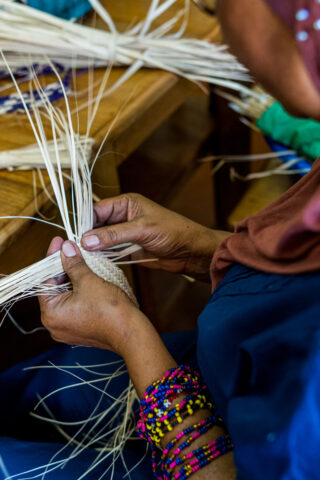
(91, 241)
(69, 250)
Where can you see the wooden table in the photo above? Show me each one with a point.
(140, 106)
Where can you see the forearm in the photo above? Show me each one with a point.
(145, 354)
(250, 27)
(147, 360)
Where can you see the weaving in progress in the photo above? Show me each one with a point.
(159, 314)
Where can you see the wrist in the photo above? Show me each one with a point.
(203, 246)
(129, 323)
(144, 352)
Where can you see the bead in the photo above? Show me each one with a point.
(302, 36)
(316, 24)
(302, 14)
(158, 416)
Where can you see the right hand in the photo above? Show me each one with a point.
(176, 243)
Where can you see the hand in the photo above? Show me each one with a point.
(98, 314)
(94, 313)
(177, 243)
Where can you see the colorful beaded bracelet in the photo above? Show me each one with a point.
(155, 417)
(167, 460)
(221, 444)
(201, 461)
(159, 415)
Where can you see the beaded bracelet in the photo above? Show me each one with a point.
(198, 429)
(218, 447)
(207, 423)
(155, 417)
(159, 415)
(159, 465)
(204, 456)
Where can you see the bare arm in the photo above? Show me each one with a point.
(267, 47)
(96, 313)
(148, 359)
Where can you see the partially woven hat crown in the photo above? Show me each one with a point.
(109, 272)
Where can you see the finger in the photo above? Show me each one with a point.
(106, 237)
(55, 246)
(95, 218)
(45, 297)
(111, 210)
(74, 264)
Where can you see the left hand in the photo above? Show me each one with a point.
(94, 313)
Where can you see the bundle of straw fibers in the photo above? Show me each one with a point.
(28, 37)
(29, 281)
(30, 157)
(112, 427)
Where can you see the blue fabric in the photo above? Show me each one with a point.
(52, 92)
(66, 9)
(258, 336)
(304, 434)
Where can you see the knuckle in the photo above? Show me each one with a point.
(76, 265)
(136, 205)
(141, 222)
(111, 235)
(85, 282)
(134, 198)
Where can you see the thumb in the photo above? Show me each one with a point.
(113, 235)
(74, 264)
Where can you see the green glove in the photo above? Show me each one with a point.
(300, 134)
